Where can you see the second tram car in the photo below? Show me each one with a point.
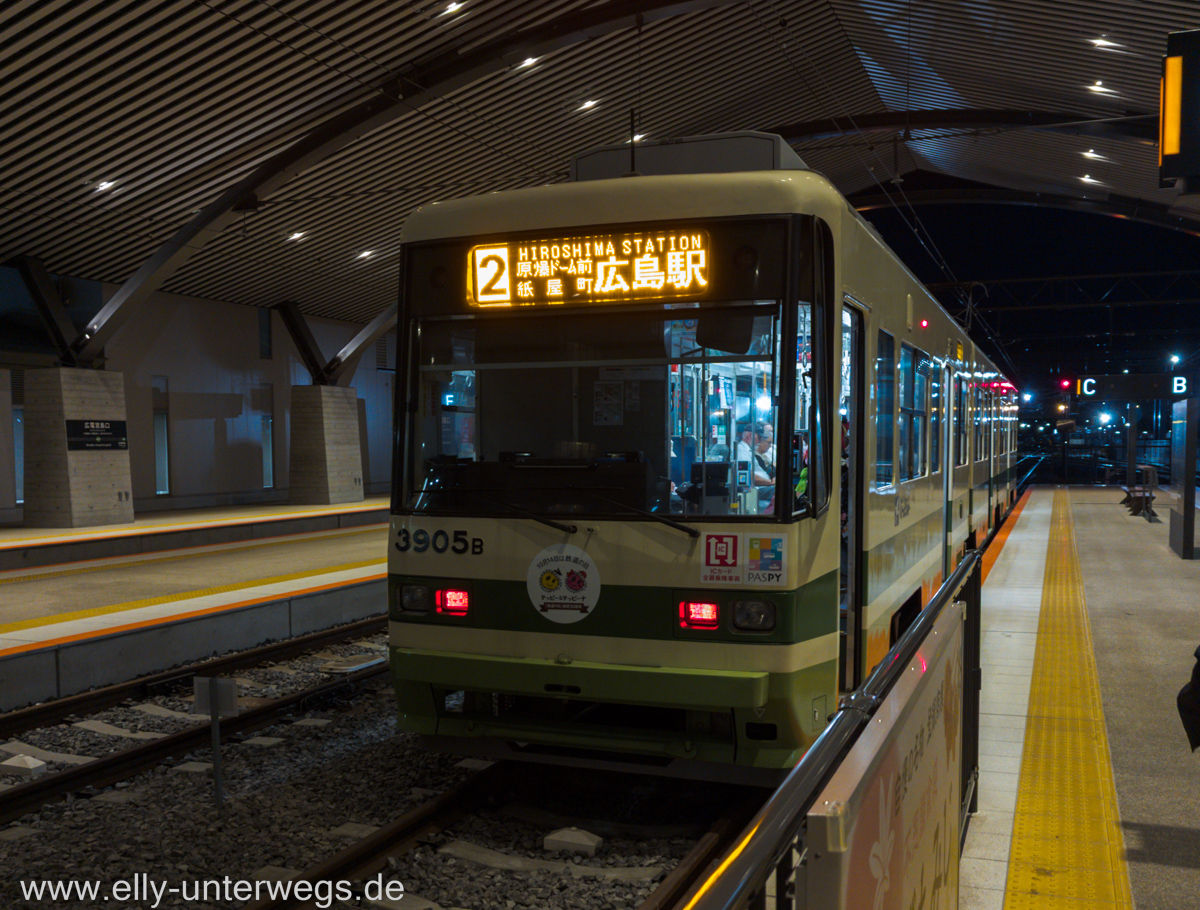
(678, 457)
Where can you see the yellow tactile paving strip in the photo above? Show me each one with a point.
(1067, 849)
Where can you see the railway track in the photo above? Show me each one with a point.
(119, 766)
(52, 712)
(377, 853)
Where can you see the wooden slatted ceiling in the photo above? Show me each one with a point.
(174, 100)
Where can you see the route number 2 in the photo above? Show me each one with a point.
(440, 541)
(491, 274)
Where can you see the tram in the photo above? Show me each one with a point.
(679, 455)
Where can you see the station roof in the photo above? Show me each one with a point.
(256, 151)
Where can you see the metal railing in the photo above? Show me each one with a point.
(775, 839)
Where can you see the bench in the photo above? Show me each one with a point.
(1140, 497)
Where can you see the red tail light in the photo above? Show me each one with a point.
(455, 603)
(695, 615)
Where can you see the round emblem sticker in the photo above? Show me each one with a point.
(563, 583)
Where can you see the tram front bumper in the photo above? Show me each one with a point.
(622, 683)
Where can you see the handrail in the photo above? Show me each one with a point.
(770, 834)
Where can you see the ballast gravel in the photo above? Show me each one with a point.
(343, 767)
(281, 804)
(284, 806)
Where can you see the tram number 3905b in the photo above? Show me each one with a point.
(440, 541)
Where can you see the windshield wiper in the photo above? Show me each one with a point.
(690, 531)
(557, 525)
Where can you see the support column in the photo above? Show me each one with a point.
(325, 460)
(76, 449)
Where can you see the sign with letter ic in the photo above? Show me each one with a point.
(1134, 386)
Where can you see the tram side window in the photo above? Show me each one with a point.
(981, 425)
(960, 421)
(935, 420)
(1001, 425)
(885, 408)
(914, 375)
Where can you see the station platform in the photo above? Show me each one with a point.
(101, 605)
(1089, 797)
(22, 547)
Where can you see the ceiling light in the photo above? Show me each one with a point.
(1099, 89)
(637, 137)
(452, 7)
(1086, 179)
(1104, 43)
(295, 235)
(529, 61)
(1091, 153)
(366, 254)
(104, 185)
(588, 105)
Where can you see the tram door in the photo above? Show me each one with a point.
(850, 408)
(949, 460)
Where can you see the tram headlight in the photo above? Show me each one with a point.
(754, 615)
(415, 598)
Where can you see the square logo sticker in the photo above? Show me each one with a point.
(764, 560)
(721, 557)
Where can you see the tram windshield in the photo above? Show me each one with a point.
(672, 411)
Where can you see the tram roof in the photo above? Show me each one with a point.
(628, 200)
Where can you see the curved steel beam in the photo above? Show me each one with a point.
(1113, 205)
(1142, 127)
(423, 83)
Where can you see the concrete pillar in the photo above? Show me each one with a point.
(76, 449)
(325, 460)
(8, 467)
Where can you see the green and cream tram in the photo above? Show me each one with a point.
(677, 457)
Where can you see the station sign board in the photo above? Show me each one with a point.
(1134, 386)
(96, 435)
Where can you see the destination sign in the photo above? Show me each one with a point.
(1133, 385)
(608, 268)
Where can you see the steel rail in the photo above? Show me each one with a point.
(52, 712)
(704, 853)
(370, 855)
(119, 766)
